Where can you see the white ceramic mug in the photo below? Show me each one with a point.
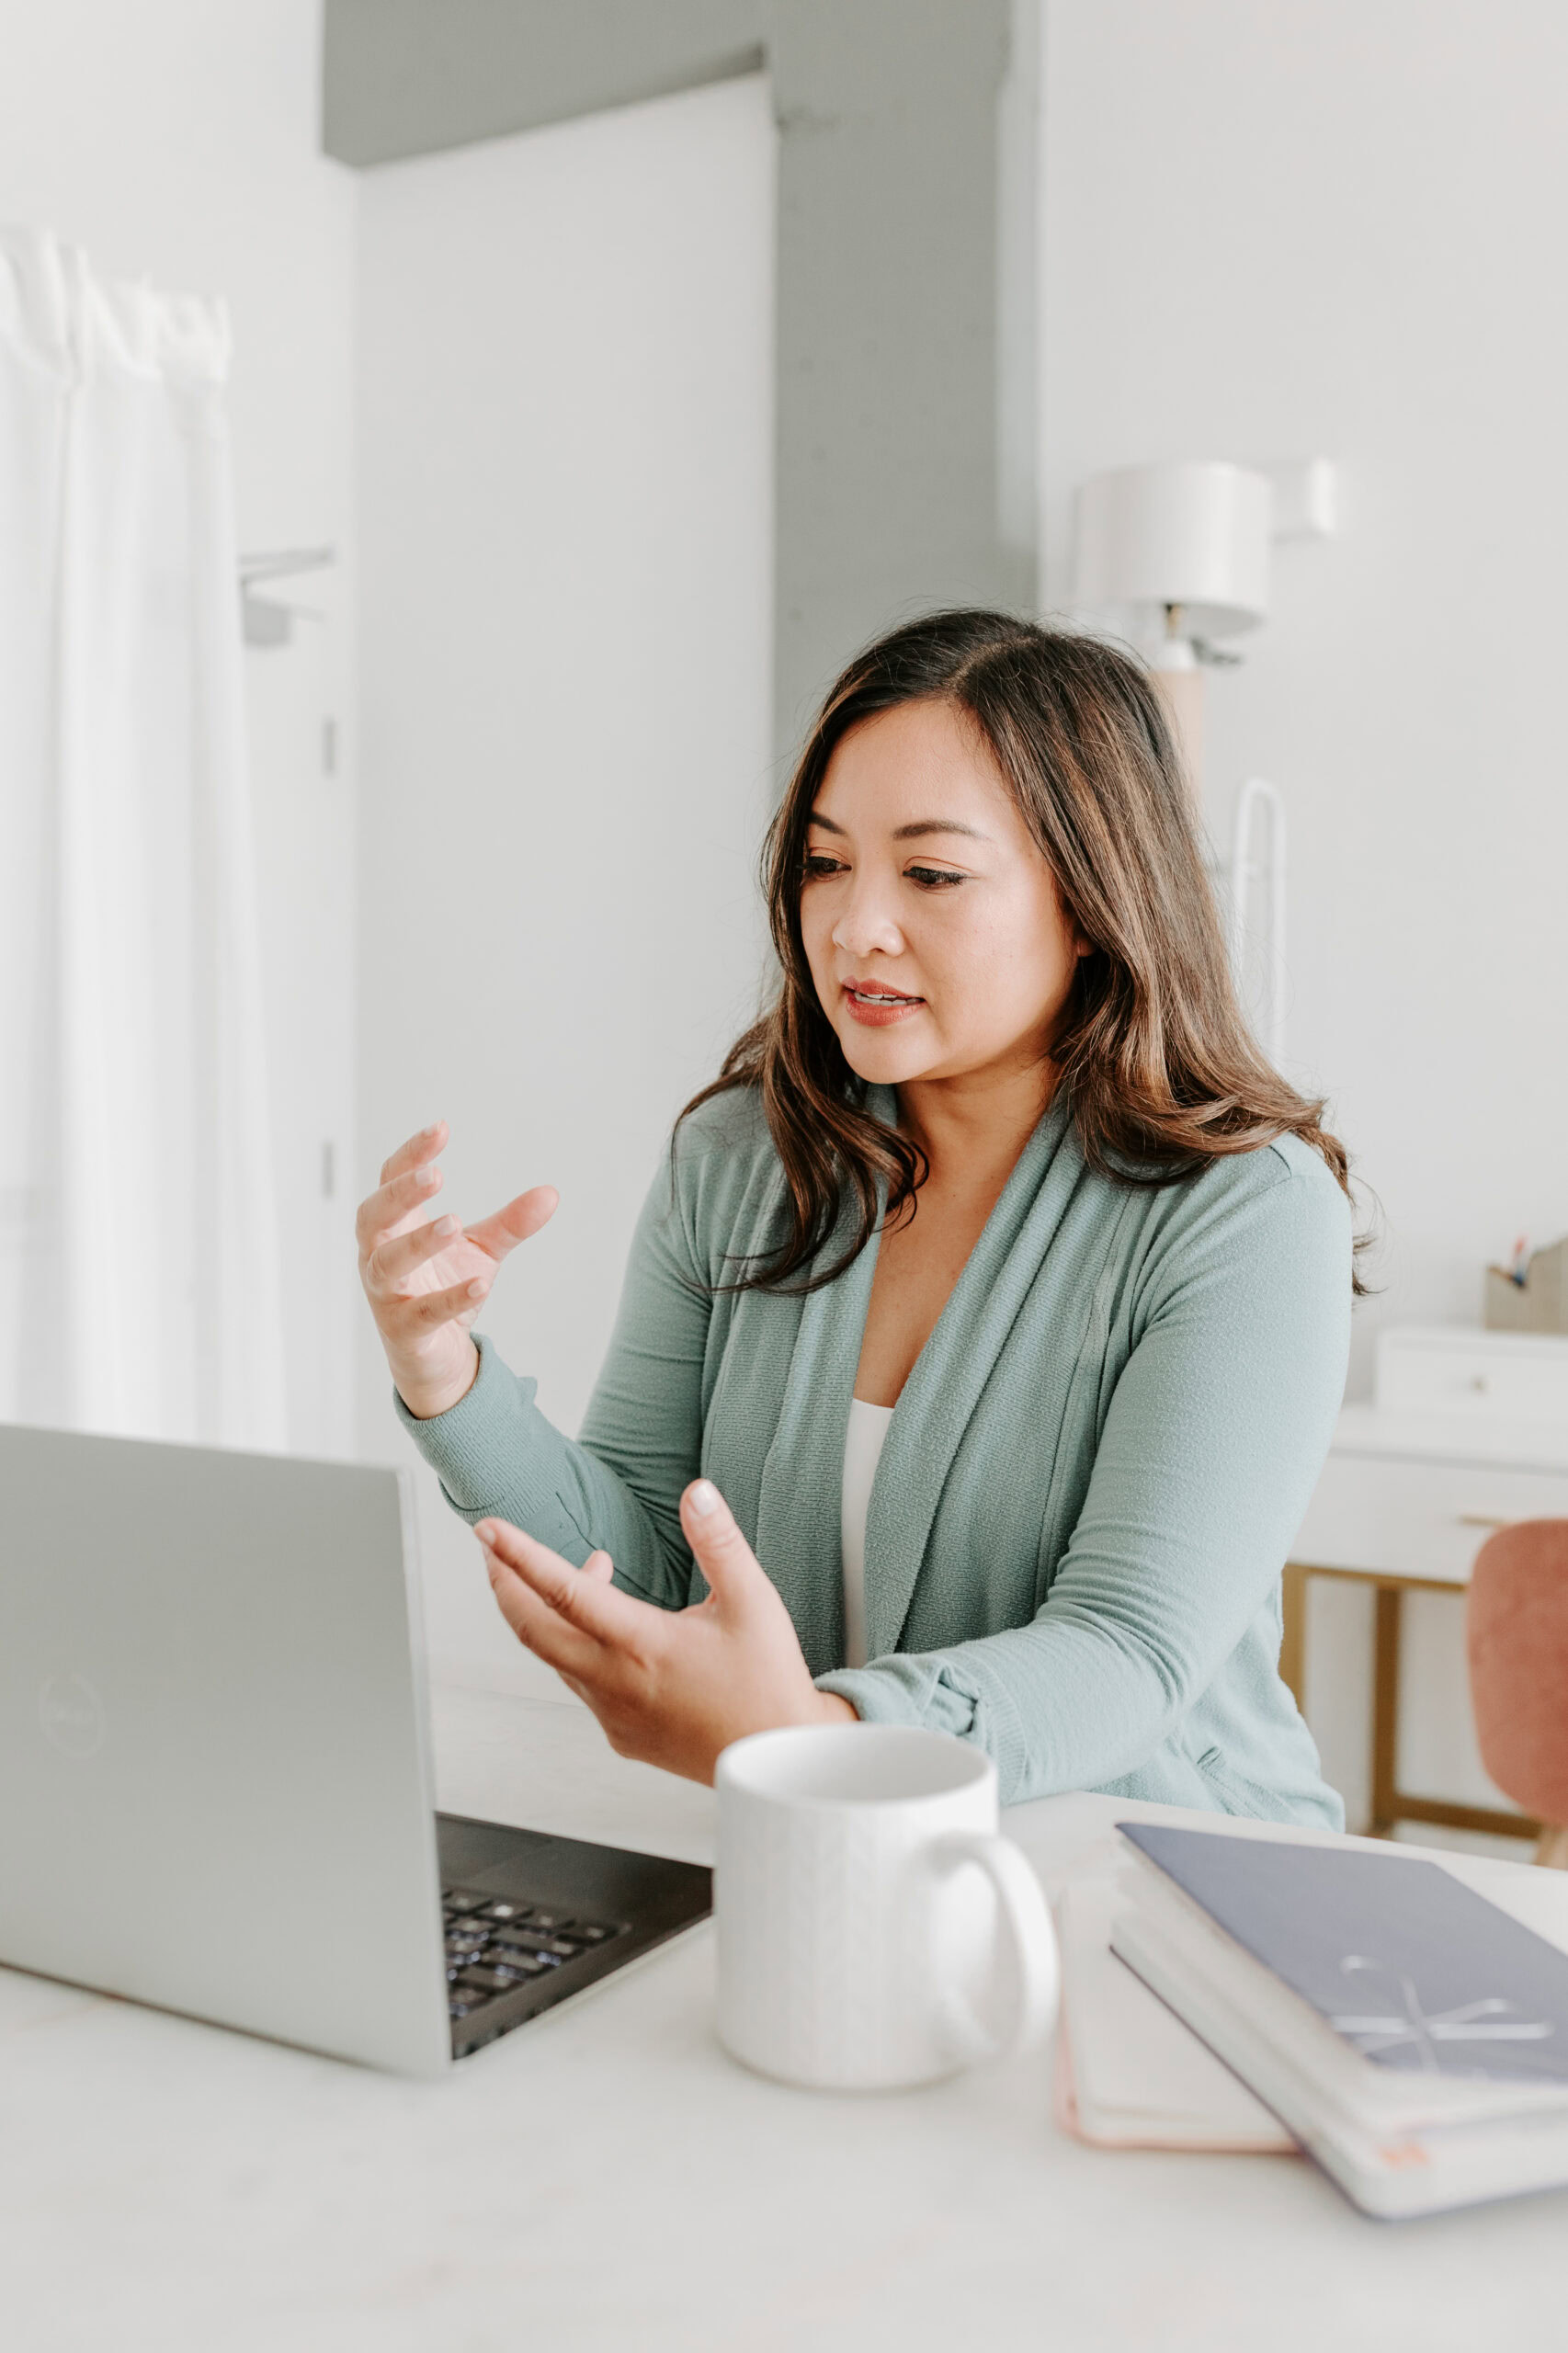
(870, 1918)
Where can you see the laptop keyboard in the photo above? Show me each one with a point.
(496, 1944)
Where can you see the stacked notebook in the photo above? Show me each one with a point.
(1410, 2035)
(1129, 2076)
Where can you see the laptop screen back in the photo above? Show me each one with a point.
(214, 1788)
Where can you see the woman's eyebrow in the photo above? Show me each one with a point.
(937, 826)
(913, 832)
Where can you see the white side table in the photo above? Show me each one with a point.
(1467, 1433)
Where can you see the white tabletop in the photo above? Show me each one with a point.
(1530, 1442)
(605, 2178)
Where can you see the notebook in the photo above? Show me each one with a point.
(1411, 2034)
(1128, 2075)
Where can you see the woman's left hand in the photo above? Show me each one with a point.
(671, 1686)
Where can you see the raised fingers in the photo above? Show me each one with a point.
(583, 1598)
(415, 1153)
(399, 1254)
(503, 1231)
(574, 1655)
(720, 1549)
(440, 1306)
(385, 1207)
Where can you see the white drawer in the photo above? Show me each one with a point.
(1423, 1369)
(1418, 1519)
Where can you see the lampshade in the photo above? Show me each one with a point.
(1195, 535)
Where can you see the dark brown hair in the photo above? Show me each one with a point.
(1162, 1076)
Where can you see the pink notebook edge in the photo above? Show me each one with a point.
(1068, 2117)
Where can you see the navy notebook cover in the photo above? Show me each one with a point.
(1409, 1965)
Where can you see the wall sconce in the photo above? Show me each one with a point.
(1186, 547)
(1181, 554)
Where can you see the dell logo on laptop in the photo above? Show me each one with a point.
(72, 1715)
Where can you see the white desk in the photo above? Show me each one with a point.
(1406, 1500)
(606, 2178)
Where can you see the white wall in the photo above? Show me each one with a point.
(565, 448)
(179, 142)
(1265, 233)
(1338, 229)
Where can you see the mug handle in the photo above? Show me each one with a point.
(1024, 1917)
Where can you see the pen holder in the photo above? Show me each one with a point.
(1538, 1304)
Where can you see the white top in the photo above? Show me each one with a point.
(215, 2159)
(862, 1452)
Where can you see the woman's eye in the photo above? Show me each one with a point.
(818, 862)
(933, 878)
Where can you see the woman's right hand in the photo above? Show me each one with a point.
(427, 1279)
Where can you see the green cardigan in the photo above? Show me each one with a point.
(1086, 1492)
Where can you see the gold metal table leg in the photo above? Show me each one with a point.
(1385, 1710)
(1392, 1804)
(1293, 1645)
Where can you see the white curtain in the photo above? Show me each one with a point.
(139, 1258)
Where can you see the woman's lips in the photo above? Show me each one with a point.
(878, 1008)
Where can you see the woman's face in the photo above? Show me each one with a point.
(936, 937)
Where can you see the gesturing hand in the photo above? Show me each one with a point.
(426, 1279)
(671, 1686)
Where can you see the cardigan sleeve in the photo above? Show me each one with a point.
(619, 1486)
(1214, 1437)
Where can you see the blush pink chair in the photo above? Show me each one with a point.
(1516, 1632)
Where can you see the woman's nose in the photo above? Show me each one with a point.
(867, 928)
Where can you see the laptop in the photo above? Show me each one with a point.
(215, 1780)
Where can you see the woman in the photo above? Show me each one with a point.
(997, 1290)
